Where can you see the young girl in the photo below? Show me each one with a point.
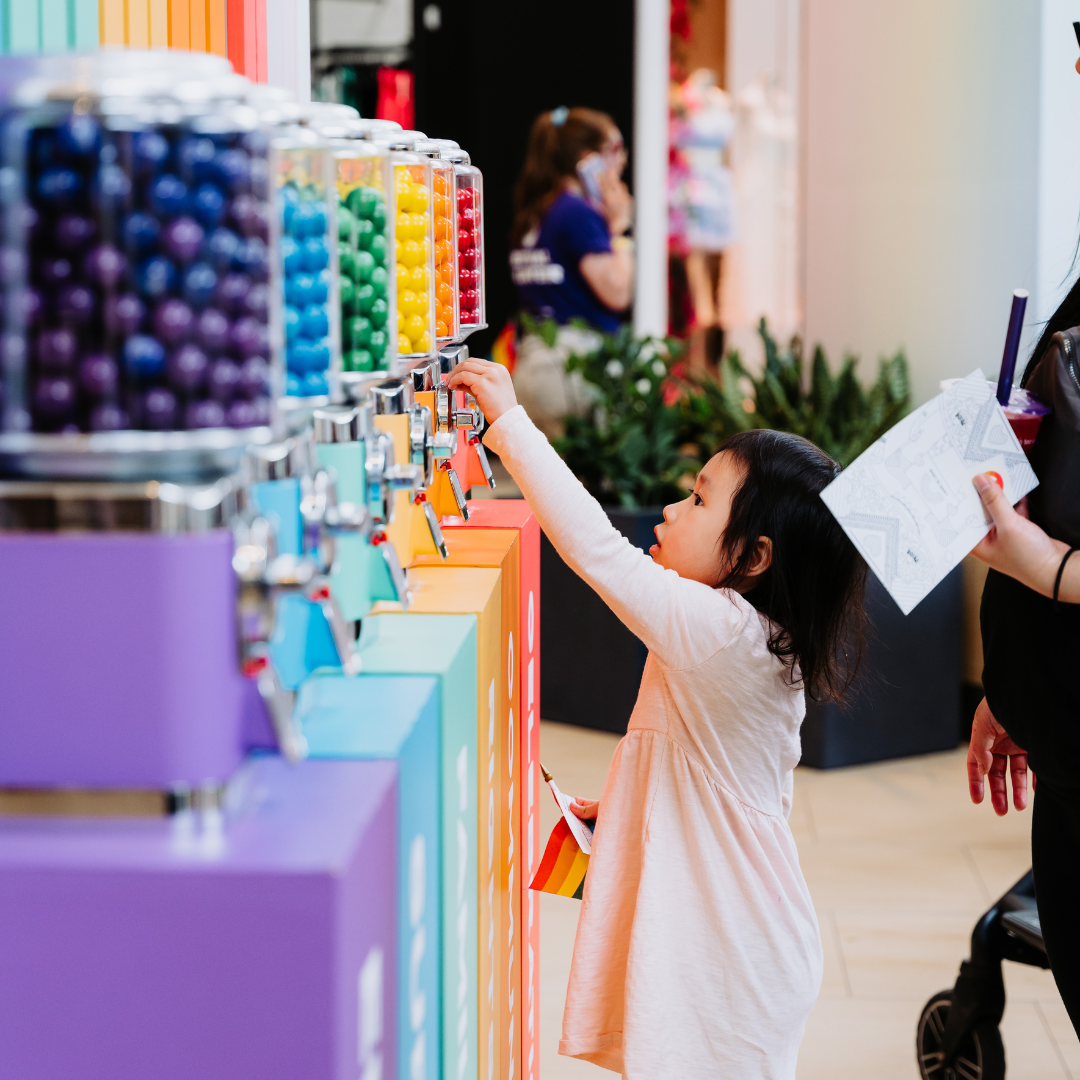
(698, 955)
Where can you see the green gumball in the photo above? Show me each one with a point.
(377, 247)
(365, 233)
(357, 332)
(379, 279)
(363, 200)
(346, 259)
(361, 360)
(365, 299)
(364, 262)
(347, 287)
(378, 217)
(345, 223)
(378, 312)
(378, 345)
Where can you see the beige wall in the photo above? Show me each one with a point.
(920, 142)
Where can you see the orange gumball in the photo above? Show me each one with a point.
(439, 183)
(445, 293)
(442, 330)
(443, 252)
(445, 273)
(446, 314)
(442, 230)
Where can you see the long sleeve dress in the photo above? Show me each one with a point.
(698, 953)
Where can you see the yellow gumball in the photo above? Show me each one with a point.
(404, 277)
(424, 344)
(418, 279)
(399, 250)
(401, 227)
(418, 198)
(412, 253)
(425, 251)
(404, 345)
(400, 321)
(415, 326)
(420, 226)
(410, 303)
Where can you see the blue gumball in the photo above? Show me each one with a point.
(292, 385)
(200, 284)
(292, 256)
(292, 323)
(194, 157)
(314, 323)
(221, 247)
(253, 258)
(320, 357)
(79, 134)
(299, 289)
(151, 150)
(168, 195)
(144, 356)
(300, 356)
(111, 187)
(316, 254)
(155, 277)
(140, 233)
(320, 290)
(231, 169)
(305, 221)
(58, 187)
(314, 384)
(208, 205)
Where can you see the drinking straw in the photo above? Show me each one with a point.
(1012, 346)
(1076, 30)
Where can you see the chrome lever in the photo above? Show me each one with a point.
(433, 525)
(485, 465)
(455, 485)
(319, 593)
(279, 704)
(397, 575)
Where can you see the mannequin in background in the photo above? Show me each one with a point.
(570, 257)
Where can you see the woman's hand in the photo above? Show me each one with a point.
(586, 809)
(618, 202)
(489, 383)
(1019, 548)
(991, 750)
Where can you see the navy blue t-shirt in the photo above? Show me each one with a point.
(546, 272)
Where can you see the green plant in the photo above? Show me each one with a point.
(629, 448)
(833, 411)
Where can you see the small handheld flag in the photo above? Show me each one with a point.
(566, 857)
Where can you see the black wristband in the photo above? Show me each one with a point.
(1057, 580)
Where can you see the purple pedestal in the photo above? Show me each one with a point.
(131, 950)
(118, 660)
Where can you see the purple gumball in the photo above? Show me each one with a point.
(232, 292)
(54, 399)
(73, 232)
(55, 271)
(263, 410)
(27, 306)
(249, 337)
(99, 374)
(212, 330)
(187, 368)
(257, 301)
(159, 409)
(182, 239)
(254, 377)
(244, 213)
(205, 414)
(75, 304)
(124, 314)
(108, 417)
(242, 414)
(104, 266)
(224, 379)
(56, 349)
(173, 321)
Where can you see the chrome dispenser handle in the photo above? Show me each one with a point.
(455, 485)
(485, 465)
(433, 524)
(319, 593)
(280, 704)
(397, 575)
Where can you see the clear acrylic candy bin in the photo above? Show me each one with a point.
(413, 322)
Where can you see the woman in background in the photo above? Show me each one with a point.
(570, 258)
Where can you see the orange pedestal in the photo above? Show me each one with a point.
(465, 541)
(485, 592)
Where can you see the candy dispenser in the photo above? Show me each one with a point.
(444, 214)
(307, 258)
(414, 255)
(147, 296)
(469, 198)
(365, 219)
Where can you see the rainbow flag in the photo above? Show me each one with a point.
(566, 858)
(504, 348)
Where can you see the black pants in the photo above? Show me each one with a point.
(1055, 859)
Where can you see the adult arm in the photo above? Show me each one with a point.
(991, 754)
(1019, 548)
(610, 275)
(682, 621)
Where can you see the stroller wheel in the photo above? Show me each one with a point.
(980, 1056)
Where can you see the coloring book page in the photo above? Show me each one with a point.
(908, 502)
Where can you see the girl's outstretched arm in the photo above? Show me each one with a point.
(683, 622)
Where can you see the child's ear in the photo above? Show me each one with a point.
(762, 558)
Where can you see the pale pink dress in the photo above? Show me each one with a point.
(698, 953)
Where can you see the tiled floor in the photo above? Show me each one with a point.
(900, 865)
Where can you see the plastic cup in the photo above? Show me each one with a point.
(1024, 412)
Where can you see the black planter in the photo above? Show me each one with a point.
(907, 698)
(905, 701)
(592, 664)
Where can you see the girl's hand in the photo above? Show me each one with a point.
(489, 383)
(1018, 547)
(586, 809)
(990, 752)
(618, 202)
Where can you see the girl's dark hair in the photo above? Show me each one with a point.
(813, 590)
(1066, 317)
(553, 154)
